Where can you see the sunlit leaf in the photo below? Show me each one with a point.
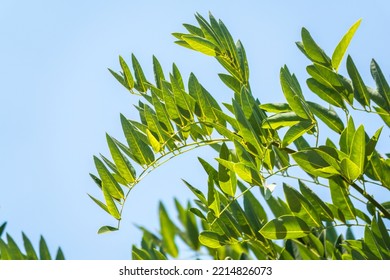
(285, 227)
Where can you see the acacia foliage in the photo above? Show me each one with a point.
(254, 142)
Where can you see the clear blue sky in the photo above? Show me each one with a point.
(57, 98)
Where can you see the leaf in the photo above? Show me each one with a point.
(128, 77)
(168, 232)
(313, 51)
(349, 169)
(124, 167)
(29, 248)
(98, 202)
(44, 253)
(276, 107)
(310, 161)
(381, 83)
(301, 207)
(212, 239)
(328, 94)
(248, 174)
(385, 116)
(140, 150)
(340, 197)
(342, 46)
(111, 206)
(227, 179)
(358, 148)
(281, 120)
(316, 202)
(2, 227)
(231, 82)
(285, 227)
(197, 192)
(292, 93)
(201, 45)
(139, 75)
(158, 72)
(296, 131)
(60, 255)
(105, 229)
(347, 136)
(213, 201)
(108, 182)
(360, 89)
(370, 242)
(13, 249)
(328, 116)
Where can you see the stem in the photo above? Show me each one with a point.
(384, 211)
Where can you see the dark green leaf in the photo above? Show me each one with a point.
(360, 89)
(168, 232)
(313, 51)
(381, 83)
(44, 253)
(328, 94)
(328, 116)
(105, 229)
(340, 197)
(296, 131)
(321, 208)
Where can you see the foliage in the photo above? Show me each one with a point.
(253, 143)
(9, 250)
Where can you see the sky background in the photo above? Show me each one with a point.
(57, 99)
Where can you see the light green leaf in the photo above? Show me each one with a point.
(123, 165)
(140, 150)
(385, 115)
(213, 200)
(139, 75)
(321, 208)
(201, 45)
(168, 232)
(98, 202)
(313, 51)
(212, 239)
(153, 141)
(292, 93)
(281, 120)
(328, 116)
(285, 227)
(158, 72)
(108, 182)
(349, 169)
(311, 162)
(328, 94)
(227, 179)
(371, 243)
(347, 136)
(360, 89)
(301, 207)
(275, 107)
(342, 46)
(231, 82)
(340, 198)
(248, 174)
(128, 77)
(105, 229)
(296, 131)
(111, 206)
(358, 148)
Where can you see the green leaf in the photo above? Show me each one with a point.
(296, 131)
(328, 116)
(311, 162)
(197, 192)
(349, 169)
(119, 78)
(292, 93)
(105, 229)
(213, 201)
(248, 174)
(381, 83)
(301, 207)
(128, 77)
(13, 249)
(285, 227)
(276, 107)
(358, 148)
(360, 89)
(342, 46)
(29, 248)
(385, 115)
(201, 45)
(328, 94)
(212, 239)
(139, 75)
(158, 72)
(124, 167)
(44, 253)
(316, 202)
(340, 197)
(2, 227)
(111, 206)
(227, 179)
(140, 150)
(98, 202)
(313, 51)
(371, 243)
(231, 82)
(168, 232)
(281, 120)
(347, 137)
(108, 182)
(60, 255)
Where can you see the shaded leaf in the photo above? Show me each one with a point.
(285, 227)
